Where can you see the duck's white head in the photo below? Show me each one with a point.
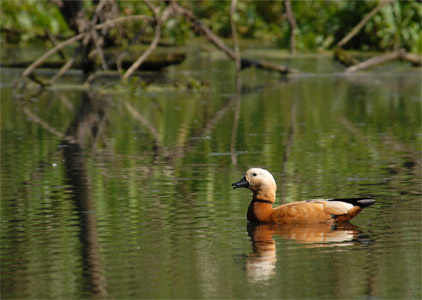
(260, 182)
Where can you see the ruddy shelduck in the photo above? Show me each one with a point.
(329, 211)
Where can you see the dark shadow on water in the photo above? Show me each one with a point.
(261, 263)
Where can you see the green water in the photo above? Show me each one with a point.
(128, 195)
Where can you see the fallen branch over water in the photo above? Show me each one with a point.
(353, 65)
(380, 59)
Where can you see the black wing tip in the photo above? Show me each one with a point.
(366, 202)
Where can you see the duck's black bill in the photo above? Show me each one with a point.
(242, 183)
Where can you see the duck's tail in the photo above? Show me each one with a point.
(358, 205)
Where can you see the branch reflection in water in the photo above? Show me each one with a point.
(261, 263)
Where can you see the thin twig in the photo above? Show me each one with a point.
(158, 24)
(63, 69)
(70, 62)
(100, 52)
(54, 41)
(95, 37)
(142, 58)
(119, 58)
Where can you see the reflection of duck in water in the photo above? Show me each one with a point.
(263, 186)
(260, 265)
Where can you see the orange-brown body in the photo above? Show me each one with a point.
(263, 186)
(298, 212)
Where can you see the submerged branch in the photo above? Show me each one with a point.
(345, 58)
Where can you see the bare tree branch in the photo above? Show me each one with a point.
(54, 41)
(70, 61)
(147, 53)
(363, 22)
(63, 69)
(213, 38)
(159, 20)
(78, 37)
(99, 49)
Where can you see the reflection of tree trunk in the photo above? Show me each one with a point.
(238, 98)
(286, 154)
(76, 175)
(85, 125)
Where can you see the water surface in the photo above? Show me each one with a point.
(114, 194)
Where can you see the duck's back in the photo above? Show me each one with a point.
(301, 212)
(319, 211)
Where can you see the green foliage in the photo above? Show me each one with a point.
(23, 21)
(398, 26)
(320, 24)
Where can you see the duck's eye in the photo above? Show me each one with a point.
(254, 174)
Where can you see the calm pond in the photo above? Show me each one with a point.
(127, 194)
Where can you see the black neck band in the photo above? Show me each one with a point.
(262, 201)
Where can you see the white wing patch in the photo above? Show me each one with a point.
(334, 207)
(337, 207)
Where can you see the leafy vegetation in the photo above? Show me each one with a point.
(28, 20)
(320, 24)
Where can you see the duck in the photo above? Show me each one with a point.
(328, 211)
